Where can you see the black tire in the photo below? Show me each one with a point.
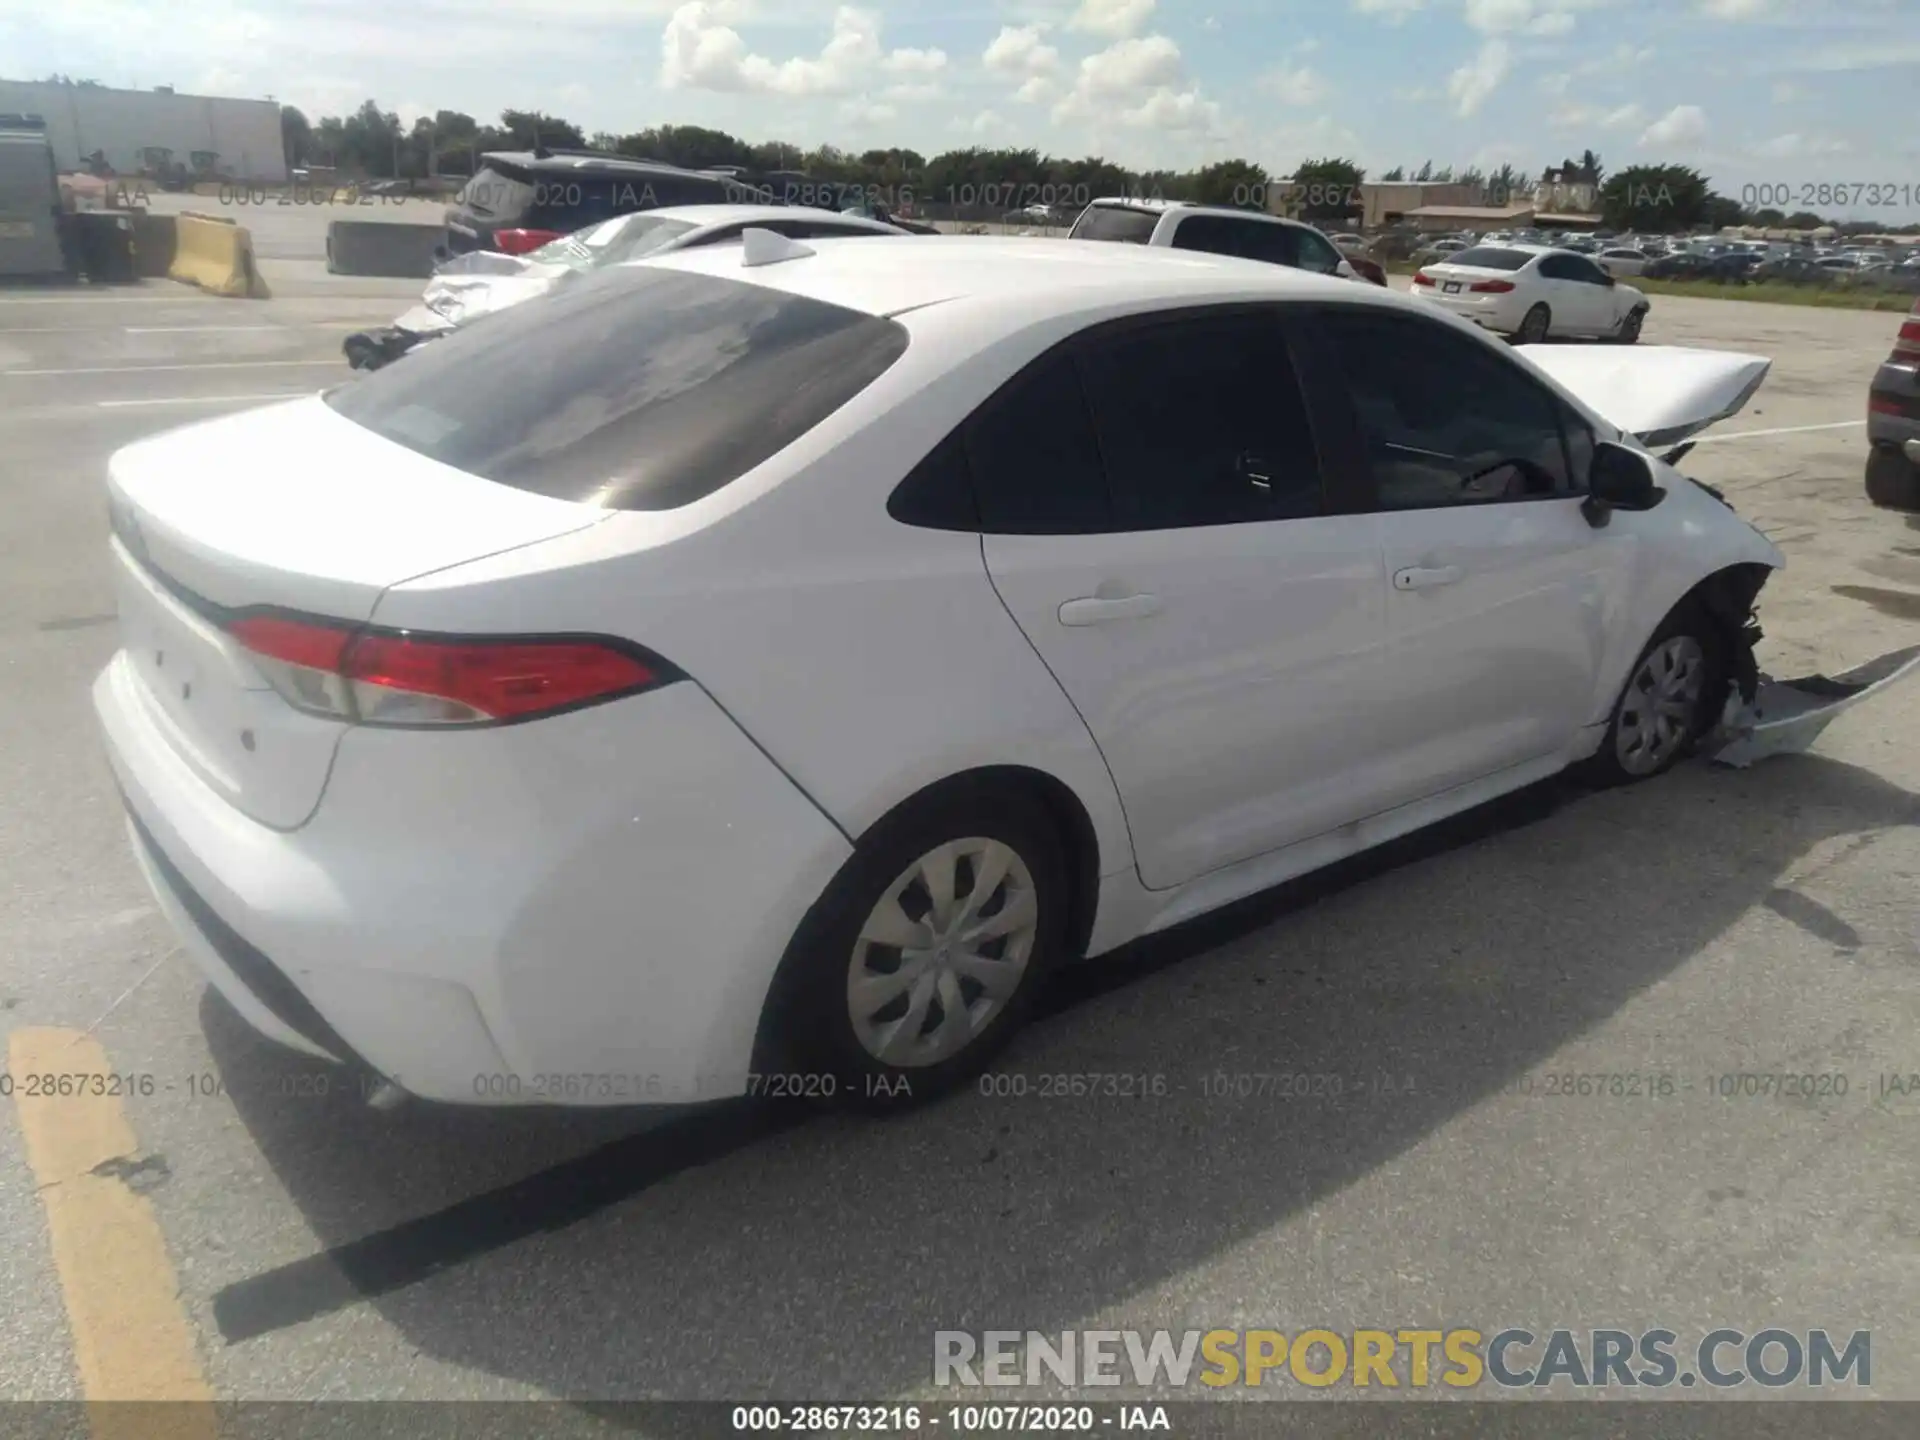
(1607, 767)
(1629, 332)
(809, 1023)
(1893, 481)
(1534, 326)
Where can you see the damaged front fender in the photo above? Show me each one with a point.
(1784, 717)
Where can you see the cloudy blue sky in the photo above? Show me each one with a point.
(1788, 92)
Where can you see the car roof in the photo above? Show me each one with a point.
(593, 160)
(1189, 207)
(1048, 278)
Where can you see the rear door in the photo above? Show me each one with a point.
(1158, 525)
(1500, 593)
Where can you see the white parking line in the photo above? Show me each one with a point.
(203, 400)
(1783, 430)
(156, 369)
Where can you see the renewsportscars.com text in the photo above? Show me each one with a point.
(1512, 1358)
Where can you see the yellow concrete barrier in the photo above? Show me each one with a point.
(217, 255)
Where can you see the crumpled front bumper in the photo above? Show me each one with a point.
(1784, 717)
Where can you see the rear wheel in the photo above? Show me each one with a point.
(1672, 697)
(1534, 326)
(924, 956)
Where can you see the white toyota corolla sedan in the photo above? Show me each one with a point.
(754, 669)
(1534, 293)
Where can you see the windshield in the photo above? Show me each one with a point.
(626, 237)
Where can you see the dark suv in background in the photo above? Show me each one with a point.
(1893, 423)
(518, 201)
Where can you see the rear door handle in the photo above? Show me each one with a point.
(1098, 610)
(1419, 578)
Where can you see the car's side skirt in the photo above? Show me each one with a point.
(1128, 910)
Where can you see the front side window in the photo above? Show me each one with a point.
(632, 389)
(1201, 422)
(1446, 419)
(1316, 253)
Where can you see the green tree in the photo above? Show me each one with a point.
(527, 128)
(296, 135)
(1591, 170)
(1327, 190)
(1656, 198)
(1396, 174)
(1238, 183)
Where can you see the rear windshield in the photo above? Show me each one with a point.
(634, 389)
(1490, 257)
(1115, 222)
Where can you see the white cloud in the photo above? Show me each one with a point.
(1113, 19)
(912, 92)
(866, 112)
(1144, 63)
(1164, 109)
(1733, 9)
(1210, 25)
(1800, 147)
(1682, 125)
(1302, 86)
(1391, 11)
(1785, 92)
(1624, 118)
(1037, 90)
(1528, 17)
(987, 122)
(1020, 50)
(1556, 82)
(701, 51)
(1471, 84)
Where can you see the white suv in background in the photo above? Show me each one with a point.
(1215, 229)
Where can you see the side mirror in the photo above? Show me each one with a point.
(1618, 479)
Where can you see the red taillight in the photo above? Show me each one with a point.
(1906, 345)
(1420, 277)
(1878, 404)
(402, 679)
(1491, 287)
(519, 242)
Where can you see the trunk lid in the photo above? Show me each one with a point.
(293, 507)
(1660, 394)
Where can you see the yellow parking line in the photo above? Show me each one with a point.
(132, 1340)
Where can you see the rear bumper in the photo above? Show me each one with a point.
(1500, 313)
(584, 910)
(1897, 386)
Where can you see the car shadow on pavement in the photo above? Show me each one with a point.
(742, 1253)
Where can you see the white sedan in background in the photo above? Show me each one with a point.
(751, 669)
(1533, 293)
(1618, 260)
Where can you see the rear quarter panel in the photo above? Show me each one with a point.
(868, 658)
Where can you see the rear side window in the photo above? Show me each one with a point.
(1115, 222)
(1035, 462)
(1202, 422)
(1490, 257)
(635, 389)
(1314, 251)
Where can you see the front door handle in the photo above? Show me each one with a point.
(1098, 610)
(1420, 578)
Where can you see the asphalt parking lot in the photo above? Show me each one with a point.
(1712, 923)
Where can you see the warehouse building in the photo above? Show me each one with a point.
(242, 137)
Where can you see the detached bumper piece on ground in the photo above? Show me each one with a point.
(1787, 716)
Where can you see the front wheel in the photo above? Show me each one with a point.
(925, 954)
(1534, 326)
(1673, 696)
(1629, 331)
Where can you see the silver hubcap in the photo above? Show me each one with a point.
(1662, 699)
(942, 952)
